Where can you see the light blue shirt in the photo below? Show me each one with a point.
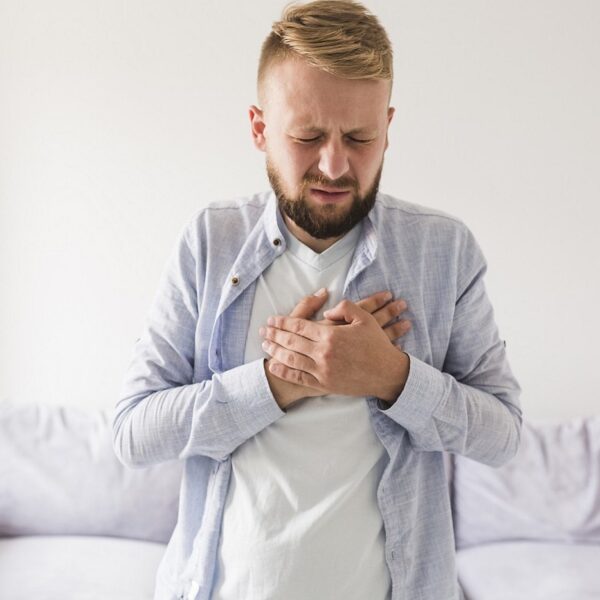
(188, 394)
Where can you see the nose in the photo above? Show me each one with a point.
(333, 159)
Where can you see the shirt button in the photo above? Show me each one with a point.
(276, 242)
(235, 280)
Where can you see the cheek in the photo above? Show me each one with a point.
(365, 160)
(297, 163)
(366, 167)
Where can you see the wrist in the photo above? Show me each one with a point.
(394, 379)
(283, 392)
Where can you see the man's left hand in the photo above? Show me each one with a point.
(354, 359)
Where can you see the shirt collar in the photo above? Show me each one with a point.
(366, 243)
(322, 260)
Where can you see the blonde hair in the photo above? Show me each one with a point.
(340, 37)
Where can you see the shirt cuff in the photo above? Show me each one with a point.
(252, 404)
(423, 391)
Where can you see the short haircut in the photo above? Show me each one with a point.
(341, 37)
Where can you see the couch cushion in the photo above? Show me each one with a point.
(59, 475)
(535, 571)
(94, 568)
(549, 491)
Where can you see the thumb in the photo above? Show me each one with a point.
(309, 305)
(344, 311)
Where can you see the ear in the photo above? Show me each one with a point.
(257, 124)
(391, 111)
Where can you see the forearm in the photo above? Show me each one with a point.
(210, 418)
(469, 404)
(476, 420)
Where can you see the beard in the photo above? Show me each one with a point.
(323, 222)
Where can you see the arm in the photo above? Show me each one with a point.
(470, 407)
(161, 414)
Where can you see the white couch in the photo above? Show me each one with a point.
(75, 524)
(530, 530)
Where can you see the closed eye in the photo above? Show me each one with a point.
(314, 139)
(357, 141)
(307, 140)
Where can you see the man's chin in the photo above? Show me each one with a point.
(328, 212)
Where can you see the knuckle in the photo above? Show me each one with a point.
(397, 328)
(300, 327)
(364, 304)
(326, 354)
(380, 301)
(392, 309)
(369, 305)
(327, 336)
(395, 331)
(290, 359)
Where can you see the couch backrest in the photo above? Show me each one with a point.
(59, 475)
(549, 491)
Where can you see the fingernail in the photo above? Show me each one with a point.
(271, 321)
(265, 346)
(321, 292)
(387, 296)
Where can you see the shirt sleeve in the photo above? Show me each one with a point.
(162, 414)
(470, 407)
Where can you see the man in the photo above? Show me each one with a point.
(314, 447)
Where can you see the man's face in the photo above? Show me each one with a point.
(324, 137)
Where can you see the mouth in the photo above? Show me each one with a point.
(329, 194)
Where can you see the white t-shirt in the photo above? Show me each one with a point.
(301, 520)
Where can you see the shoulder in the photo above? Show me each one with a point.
(231, 219)
(401, 211)
(423, 231)
(231, 213)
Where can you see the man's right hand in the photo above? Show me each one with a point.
(379, 305)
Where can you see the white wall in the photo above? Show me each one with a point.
(119, 120)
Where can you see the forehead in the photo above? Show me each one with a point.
(297, 94)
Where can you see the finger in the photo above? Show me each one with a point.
(390, 311)
(294, 375)
(289, 358)
(288, 340)
(310, 305)
(346, 311)
(303, 327)
(397, 330)
(375, 302)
